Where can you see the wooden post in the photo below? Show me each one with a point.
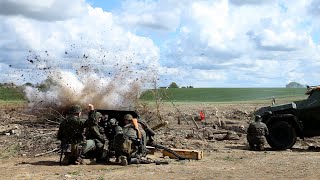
(179, 112)
(218, 116)
(195, 123)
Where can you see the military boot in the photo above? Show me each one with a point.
(252, 147)
(123, 160)
(260, 147)
(65, 160)
(72, 160)
(75, 160)
(134, 161)
(101, 156)
(79, 161)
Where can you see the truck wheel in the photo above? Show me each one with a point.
(281, 135)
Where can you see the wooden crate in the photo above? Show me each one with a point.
(187, 153)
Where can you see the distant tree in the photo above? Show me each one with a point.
(184, 87)
(190, 86)
(173, 85)
(28, 84)
(294, 85)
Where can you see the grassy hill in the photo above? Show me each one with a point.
(226, 94)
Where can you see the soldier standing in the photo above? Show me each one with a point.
(273, 101)
(256, 133)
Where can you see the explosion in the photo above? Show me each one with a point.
(87, 82)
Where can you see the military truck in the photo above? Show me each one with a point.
(286, 122)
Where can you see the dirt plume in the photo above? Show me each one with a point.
(86, 82)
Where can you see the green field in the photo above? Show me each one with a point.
(226, 94)
(197, 94)
(11, 94)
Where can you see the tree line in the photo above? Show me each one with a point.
(175, 85)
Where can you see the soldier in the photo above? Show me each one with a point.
(256, 133)
(96, 133)
(71, 135)
(111, 129)
(273, 101)
(130, 143)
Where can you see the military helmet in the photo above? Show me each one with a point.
(128, 117)
(75, 109)
(98, 115)
(258, 118)
(95, 120)
(113, 122)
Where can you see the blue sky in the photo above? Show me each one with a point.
(205, 43)
(109, 5)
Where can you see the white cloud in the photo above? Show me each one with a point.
(258, 44)
(155, 15)
(249, 2)
(49, 10)
(200, 43)
(209, 75)
(94, 39)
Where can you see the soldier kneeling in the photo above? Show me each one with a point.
(130, 142)
(256, 134)
(95, 133)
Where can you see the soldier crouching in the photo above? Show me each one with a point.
(256, 133)
(130, 142)
(96, 133)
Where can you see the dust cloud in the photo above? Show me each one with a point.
(118, 87)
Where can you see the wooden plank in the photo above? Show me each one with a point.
(187, 153)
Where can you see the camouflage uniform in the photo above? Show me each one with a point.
(111, 129)
(70, 134)
(95, 132)
(127, 145)
(256, 134)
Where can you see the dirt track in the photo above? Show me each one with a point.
(226, 163)
(223, 159)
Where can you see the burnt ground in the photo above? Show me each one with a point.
(222, 138)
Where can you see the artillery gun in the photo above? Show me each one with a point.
(118, 115)
(286, 122)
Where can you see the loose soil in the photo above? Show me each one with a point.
(226, 155)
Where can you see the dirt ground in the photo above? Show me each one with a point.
(226, 155)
